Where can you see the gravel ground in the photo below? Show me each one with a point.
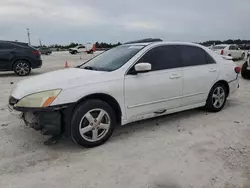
(184, 150)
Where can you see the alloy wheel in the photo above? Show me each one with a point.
(218, 97)
(22, 68)
(94, 125)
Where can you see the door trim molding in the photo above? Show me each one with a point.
(163, 100)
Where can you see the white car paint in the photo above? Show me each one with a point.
(139, 96)
(228, 50)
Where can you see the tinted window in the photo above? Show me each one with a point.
(210, 60)
(81, 47)
(192, 56)
(163, 57)
(6, 46)
(232, 48)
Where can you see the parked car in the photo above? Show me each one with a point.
(19, 57)
(245, 72)
(125, 84)
(229, 50)
(45, 50)
(88, 48)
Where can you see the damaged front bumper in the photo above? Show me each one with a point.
(53, 120)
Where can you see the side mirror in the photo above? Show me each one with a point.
(142, 67)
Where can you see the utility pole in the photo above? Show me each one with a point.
(28, 33)
(40, 42)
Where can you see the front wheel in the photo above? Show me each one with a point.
(93, 123)
(22, 68)
(217, 98)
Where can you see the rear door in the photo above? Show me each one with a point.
(199, 73)
(158, 90)
(7, 52)
(234, 51)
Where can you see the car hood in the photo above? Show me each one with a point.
(61, 79)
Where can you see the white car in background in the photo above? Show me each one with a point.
(88, 48)
(229, 50)
(128, 83)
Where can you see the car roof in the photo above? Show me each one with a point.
(14, 42)
(167, 43)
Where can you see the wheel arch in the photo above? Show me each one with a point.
(106, 98)
(225, 83)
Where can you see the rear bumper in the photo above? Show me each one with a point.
(36, 64)
(233, 85)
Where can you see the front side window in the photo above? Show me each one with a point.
(113, 58)
(162, 57)
(192, 56)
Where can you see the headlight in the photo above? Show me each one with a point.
(41, 99)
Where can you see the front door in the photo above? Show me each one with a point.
(158, 90)
(199, 73)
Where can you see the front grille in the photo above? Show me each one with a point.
(12, 101)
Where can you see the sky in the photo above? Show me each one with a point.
(112, 21)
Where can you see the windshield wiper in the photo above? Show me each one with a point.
(89, 68)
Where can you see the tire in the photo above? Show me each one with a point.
(87, 129)
(217, 90)
(242, 56)
(244, 72)
(22, 68)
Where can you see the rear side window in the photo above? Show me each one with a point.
(232, 48)
(210, 60)
(6, 46)
(162, 57)
(192, 56)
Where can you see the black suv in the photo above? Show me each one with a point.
(19, 57)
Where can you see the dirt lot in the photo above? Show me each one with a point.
(192, 149)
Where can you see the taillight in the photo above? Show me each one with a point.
(237, 70)
(221, 52)
(36, 52)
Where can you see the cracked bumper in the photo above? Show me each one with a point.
(53, 120)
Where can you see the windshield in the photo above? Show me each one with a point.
(112, 59)
(219, 47)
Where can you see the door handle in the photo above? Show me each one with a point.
(175, 76)
(212, 70)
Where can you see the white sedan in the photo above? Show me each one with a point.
(229, 50)
(128, 83)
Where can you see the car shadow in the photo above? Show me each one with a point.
(66, 145)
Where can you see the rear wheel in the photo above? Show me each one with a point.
(244, 72)
(93, 123)
(217, 98)
(22, 68)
